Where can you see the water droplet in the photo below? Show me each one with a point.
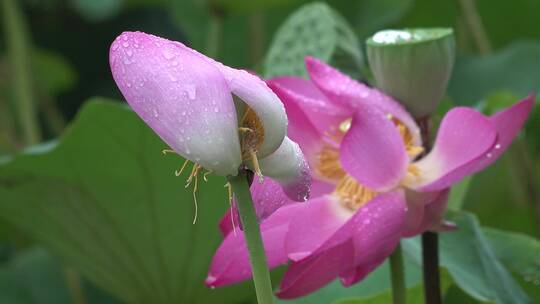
(497, 146)
(489, 155)
(128, 84)
(191, 91)
(167, 53)
(216, 109)
(115, 47)
(183, 114)
(125, 44)
(155, 113)
(127, 61)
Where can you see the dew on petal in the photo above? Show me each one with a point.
(191, 91)
(167, 53)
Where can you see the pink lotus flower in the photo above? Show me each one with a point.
(187, 99)
(371, 185)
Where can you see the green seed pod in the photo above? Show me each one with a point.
(413, 65)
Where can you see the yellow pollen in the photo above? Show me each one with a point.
(329, 166)
(407, 137)
(353, 194)
(251, 133)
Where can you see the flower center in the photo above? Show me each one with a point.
(251, 138)
(351, 193)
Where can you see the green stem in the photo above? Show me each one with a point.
(18, 50)
(257, 257)
(74, 284)
(430, 268)
(256, 36)
(397, 273)
(476, 27)
(214, 32)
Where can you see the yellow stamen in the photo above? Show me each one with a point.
(168, 151)
(252, 133)
(179, 172)
(194, 172)
(195, 187)
(414, 151)
(242, 129)
(205, 175)
(353, 194)
(329, 165)
(256, 167)
(230, 193)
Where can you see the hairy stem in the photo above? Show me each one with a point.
(257, 257)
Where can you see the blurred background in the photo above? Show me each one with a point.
(54, 58)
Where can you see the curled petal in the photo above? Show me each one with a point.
(321, 112)
(464, 136)
(373, 151)
(319, 219)
(288, 166)
(300, 129)
(260, 98)
(349, 93)
(507, 123)
(230, 263)
(365, 240)
(183, 98)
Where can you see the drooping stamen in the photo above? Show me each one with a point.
(179, 172)
(194, 172)
(256, 167)
(195, 187)
(230, 193)
(168, 151)
(251, 138)
(205, 175)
